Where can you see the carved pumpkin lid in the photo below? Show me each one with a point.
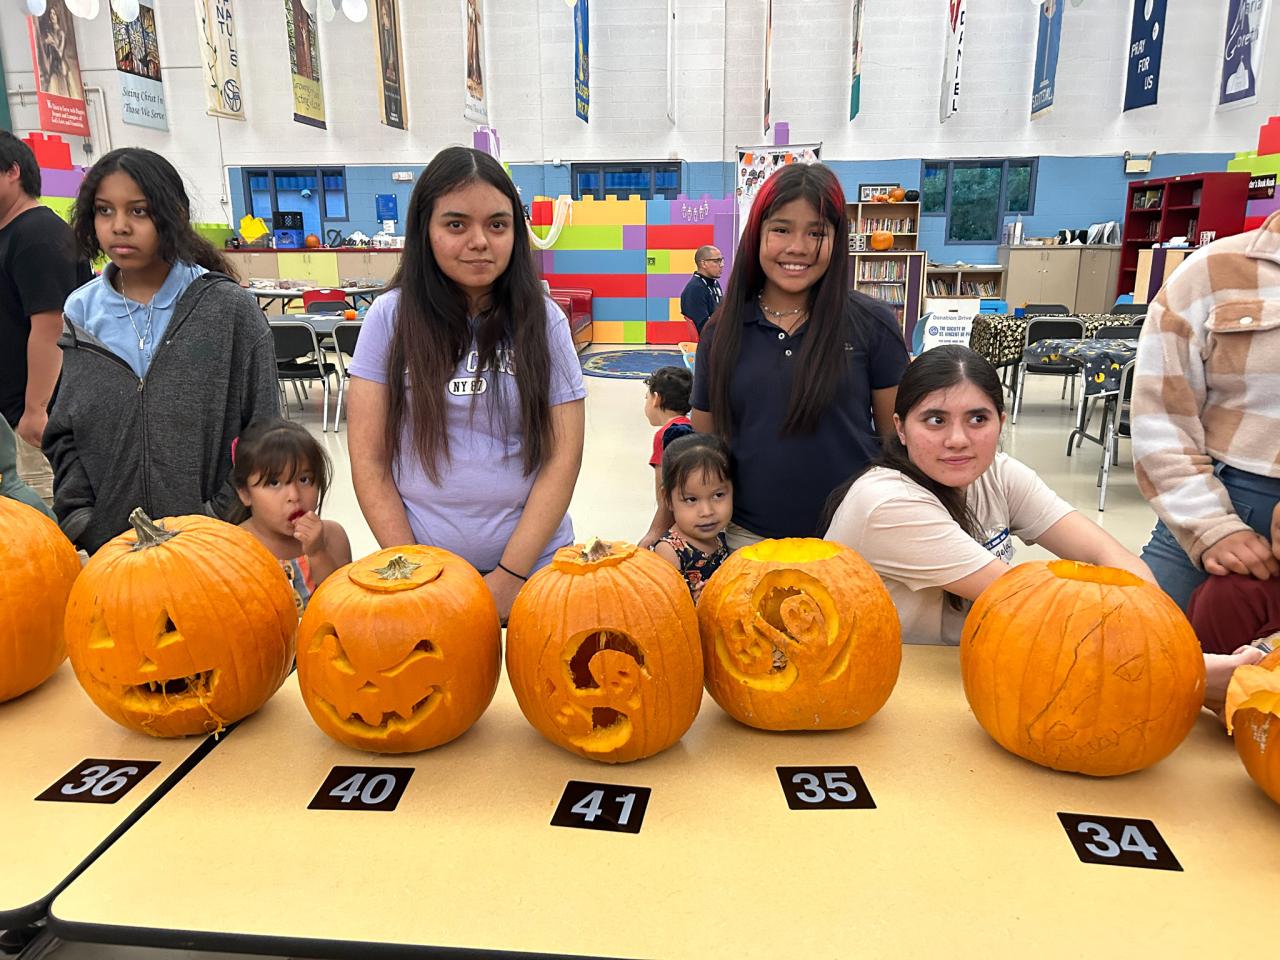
(395, 569)
(1092, 573)
(593, 555)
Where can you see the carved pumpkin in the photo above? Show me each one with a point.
(897, 195)
(1081, 668)
(799, 634)
(603, 653)
(39, 566)
(881, 240)
(1253, 717)
(181, 626)
(399, 651)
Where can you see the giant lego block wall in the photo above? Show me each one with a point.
(635, 256)
(59, 177)
(1263, 162)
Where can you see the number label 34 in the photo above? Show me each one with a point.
(825, 788)
(1118, 841)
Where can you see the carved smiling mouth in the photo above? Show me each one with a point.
(397, 722)
(157, 693)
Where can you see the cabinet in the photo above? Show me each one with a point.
(896, 277)
(317, 267)
(1082, 278)
(1099, 269)
(253, 264)
(902, 219)
(957, 280)
(361, 265)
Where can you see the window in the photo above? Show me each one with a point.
(976, 195)
(649, 181)
(319, 193)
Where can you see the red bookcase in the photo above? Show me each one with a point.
(1198, 206)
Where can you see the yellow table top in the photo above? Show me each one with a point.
(963, 856)
(44, 735)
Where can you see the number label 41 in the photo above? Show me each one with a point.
(825, 788)
(361, 788)
(601, 806)
(1118, 841)
(99, 781)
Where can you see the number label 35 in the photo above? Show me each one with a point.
(825, 788)
(1118, 841)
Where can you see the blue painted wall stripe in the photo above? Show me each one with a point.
(618, 308)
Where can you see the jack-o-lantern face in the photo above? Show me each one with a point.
(181, 627)
(603, 653)
(799, 635)
(399, 651)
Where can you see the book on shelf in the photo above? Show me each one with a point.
(882, 269)
(979, 288)
(938, 287)
(892, 224)
(888, 292)
(1195, 196)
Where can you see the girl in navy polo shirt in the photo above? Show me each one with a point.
(795, 371)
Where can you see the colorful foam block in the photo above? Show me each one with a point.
(52, 152)
(601, 284)
(608, 331)
(541, 213)
(590, 212)
(657, 261)
(633, 237)
(658, 212)
(681, 261)
(595, 261)
(666, 331)
(588, 238)
(635, 332)
(666, 284)
(618, 309)
(679, 237)
(1269, 137)
(673, 310)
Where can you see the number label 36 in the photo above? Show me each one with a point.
(99, 781)
(825, 788)
(1118, 841)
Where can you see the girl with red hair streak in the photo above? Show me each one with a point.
(796, 371)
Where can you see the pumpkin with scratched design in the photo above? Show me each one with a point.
(1253, 717)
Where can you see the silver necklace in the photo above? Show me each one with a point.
(144, 334)
(778, 314)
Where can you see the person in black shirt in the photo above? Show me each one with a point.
(39, 267)
(796, 372)
(701, 294)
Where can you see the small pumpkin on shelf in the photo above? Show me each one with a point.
(880, 198)
(897, 195)
(1253, 718)
(881, 240)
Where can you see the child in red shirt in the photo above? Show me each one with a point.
(666, 406)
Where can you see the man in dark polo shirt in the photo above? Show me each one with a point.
(701, 294)
(39, 266)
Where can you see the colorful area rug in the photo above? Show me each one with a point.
(629, 364)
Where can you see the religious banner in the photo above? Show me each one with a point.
(474, 106)
(304, 64)
(1242, 53)
(1146, 42)
(756, 164)
(59, 89)
(955, 54)
(1048, 37)
(582, 61)
(768, 61)
(855, 88)
(220, 54)
(138, 62)
(391, 91)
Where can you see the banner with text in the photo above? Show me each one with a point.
(138, 62)
(855, 87)
(1242, 53)
(1048, 37)
(582, 61)
(304, 64)
(391, 98)
(768, 63)
(956, 12)
(220, 54)
(59, 89)
(1146, 41)
(474, 107)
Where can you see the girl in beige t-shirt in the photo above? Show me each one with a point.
(936, 513)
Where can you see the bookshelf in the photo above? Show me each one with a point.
(902, 219)
(1198, 206)
(896, 277)
(955, 280)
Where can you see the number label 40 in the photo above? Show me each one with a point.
(825, 788)
(1118, 841)
(601, 806)
(361, 788)
(99, 781)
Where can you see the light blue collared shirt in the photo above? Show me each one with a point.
(98, 309)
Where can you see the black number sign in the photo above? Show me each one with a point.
(361, 788)
(99, 781)
(1118, 841)
(601, 806)
(825, 788)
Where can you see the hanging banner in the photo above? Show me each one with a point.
(671, 61)
(768, 61)
(855, 88)
(582, 61)
(138, 62)
(304, 64)
(951, 64)
(221, 57)
(757, 164)
(474, 107)
(1146, 41)
(386, 24)
(1048, 36)
(59, 89)
(1242, 53)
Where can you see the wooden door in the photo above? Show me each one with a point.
(1024, 272)
(1096, 286)
(1061, 274)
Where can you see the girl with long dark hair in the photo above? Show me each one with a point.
(467, 419)
(794, 371)
(165, 359)
(936, 512)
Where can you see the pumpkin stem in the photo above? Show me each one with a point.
(398, 567)
(596, 549)
(150, 533)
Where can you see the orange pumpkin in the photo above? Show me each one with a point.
(399, 651)
(897, 195)
(799, 634)
(349, 315)
(880, 198)
(39, 566)
(881, 240)
(312, 241)
(1253, 717)
(603, 653)
(181, 626)
(1081, 668)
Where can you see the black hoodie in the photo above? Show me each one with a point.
(162, 443)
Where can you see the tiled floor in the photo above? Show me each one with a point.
(614, 499)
